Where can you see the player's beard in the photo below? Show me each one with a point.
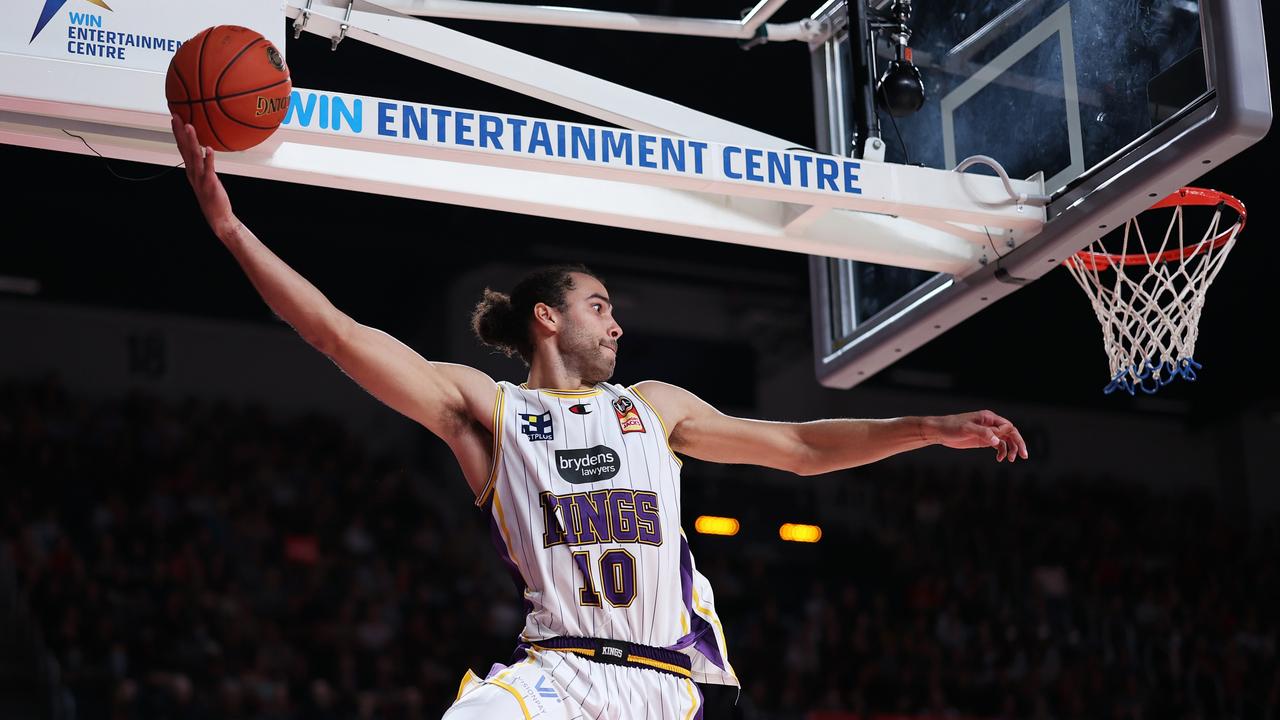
(586, 353)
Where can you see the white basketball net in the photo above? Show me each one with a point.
(1150, 311)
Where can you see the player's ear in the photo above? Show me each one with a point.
(546, 316)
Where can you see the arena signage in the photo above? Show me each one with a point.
(498, 134)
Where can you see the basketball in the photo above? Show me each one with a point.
(231, 84)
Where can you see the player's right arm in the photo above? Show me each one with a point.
(454, 402)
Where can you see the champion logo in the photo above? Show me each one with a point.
(580, 409)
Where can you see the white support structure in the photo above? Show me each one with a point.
(867, 214)
(742, 220)
(745, 29)
(760, 14)
(523, 73)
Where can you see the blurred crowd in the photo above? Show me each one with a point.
(210, 560)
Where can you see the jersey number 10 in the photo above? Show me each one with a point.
(617, 574)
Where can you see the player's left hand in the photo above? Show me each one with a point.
(980, 429)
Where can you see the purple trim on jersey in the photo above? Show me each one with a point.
(522, 652)
(686, 574)
(686, 592)
(705, 641)
(701, 636)
(501, 546)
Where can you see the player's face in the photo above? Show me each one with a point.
(590, 338)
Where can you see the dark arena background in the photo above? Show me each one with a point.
(204, 518)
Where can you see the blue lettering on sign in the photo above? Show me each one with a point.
(490, 131)
(95, 50)
(827, 171)
(354, 115)
(462, 128)
(779, 168)
(516, 126)
(584, 143)
(851, 177)
(415, 122)
(385, 120)
(646, 151)
(753, 165)
(617, 144)
(728, 164)
(441, 115)
(803, 161)
(540, 139)
(302, 109)
(331, 111)
(88, 38)
(672, 154)
(698, 148)
(468, 129)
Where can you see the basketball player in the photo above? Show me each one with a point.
(580, 477)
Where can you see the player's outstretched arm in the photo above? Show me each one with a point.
(449, 400)
(699, 430)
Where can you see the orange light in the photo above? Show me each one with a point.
(712, 525)
(794, 532)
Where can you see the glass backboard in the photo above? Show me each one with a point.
(1112, 102)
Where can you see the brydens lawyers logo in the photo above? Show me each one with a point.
(587, 465)
(51, 8)
(536, 427)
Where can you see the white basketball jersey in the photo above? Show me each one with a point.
(584, 499)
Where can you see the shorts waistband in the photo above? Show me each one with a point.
(617, 652)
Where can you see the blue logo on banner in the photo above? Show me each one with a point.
(51, 8)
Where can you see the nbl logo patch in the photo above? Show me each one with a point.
(536, 427)
(628, 416)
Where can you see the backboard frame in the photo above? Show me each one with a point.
(1233, 114)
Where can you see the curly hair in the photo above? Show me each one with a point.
(501, 321)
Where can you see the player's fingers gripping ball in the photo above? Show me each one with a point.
(231, 84)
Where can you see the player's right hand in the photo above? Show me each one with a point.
(203, 177)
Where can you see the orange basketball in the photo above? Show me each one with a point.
(231, 84)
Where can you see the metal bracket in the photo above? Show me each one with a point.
(1003, 276)
(760, 37)
(300, 22)
(342, 28)
(874, 149)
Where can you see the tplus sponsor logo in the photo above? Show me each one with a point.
(536, 427)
